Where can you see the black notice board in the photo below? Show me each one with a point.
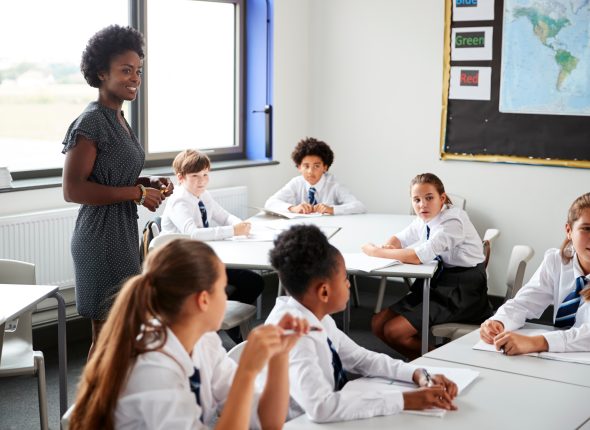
(477, 130)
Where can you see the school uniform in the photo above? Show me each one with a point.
(327, 191)
(183, 215)
(158, 392)
(458, 292)
(553, 281)
(312, 376)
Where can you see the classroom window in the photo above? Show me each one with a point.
(193, 75)
(206, 79)
(41, 88)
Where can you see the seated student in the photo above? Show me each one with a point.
(159, 363)
(193, 209)
(313, 272)
(458, 292)
(315, 190)
(561, 281)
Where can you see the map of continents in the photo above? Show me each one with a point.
(546, 57)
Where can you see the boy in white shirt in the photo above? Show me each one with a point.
(313, 272)
(315, 190)
(194, 212)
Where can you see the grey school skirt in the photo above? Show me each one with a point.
(457, 294)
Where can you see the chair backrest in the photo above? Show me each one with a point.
(236, 352)
(520, 256)
(488, 238)
(165, 238)
(150, 231)
(458, 201)
(65, 419)
(18, 272)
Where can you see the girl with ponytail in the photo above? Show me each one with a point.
(158, 362)
(561, 281)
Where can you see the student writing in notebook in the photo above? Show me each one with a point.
(459, 289)
(313, 272)
(561, 281)
(315, 190)
(194, 212)
(159, 363)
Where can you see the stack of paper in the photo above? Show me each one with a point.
(572, 357)
(291, 215)
(5, 178)
(365, 263)
(461, 377)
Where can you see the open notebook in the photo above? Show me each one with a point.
(573, 357)
(366, 263)
(461, 377)
(287, 214)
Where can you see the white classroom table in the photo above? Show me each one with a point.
(355, 230)
(495, 400)
(461, 351)
(15, 299)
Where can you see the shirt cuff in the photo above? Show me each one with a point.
(555, 340)
(425, 253)
(406, 372)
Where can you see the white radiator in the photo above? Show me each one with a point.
(43, 238)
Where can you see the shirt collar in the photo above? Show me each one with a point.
(577, 268)
(319, 185)
(434, 222)
(174, 349)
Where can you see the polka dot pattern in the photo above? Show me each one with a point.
(105, 239)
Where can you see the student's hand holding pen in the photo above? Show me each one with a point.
(422, 378)
(511, 343)
(428, 398)
(489, 330)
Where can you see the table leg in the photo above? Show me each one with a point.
(425, 314)
(62, 351)
(1, 338)
(380, 294)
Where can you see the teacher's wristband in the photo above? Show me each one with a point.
(143, 194)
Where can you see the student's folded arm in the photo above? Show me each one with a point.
(314, 392)
(534, 297)
(575, 339)
(183, 217)
(405, 255)
(361, 361)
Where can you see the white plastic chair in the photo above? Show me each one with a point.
(458, 201)
(65, 419)
(17, 355)
(236, 313)
(520, 256)
(236, 352)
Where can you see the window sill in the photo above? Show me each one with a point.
(55, 181)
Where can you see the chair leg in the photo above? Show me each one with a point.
(258, 307)
(355, 292)
(280, 289)
(380, 294)
(42, 387)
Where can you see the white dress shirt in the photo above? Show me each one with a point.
(328, 192)
(157, 394)
(550, 284)
(182, 215)
(452, 237)
(311, 374)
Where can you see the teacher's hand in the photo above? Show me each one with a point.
(163, 184)
(153, 199)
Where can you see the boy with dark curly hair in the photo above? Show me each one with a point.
(315, 190)
(313, 272)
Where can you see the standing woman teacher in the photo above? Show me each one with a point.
(101, 172)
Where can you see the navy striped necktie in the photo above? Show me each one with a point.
(566, 313)
(311, 196)
(340, 378)
(203, 213)
(195, 384)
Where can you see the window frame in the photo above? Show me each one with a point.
(242, 116)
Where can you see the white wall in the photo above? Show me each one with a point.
(366, 76)
(375, 97)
